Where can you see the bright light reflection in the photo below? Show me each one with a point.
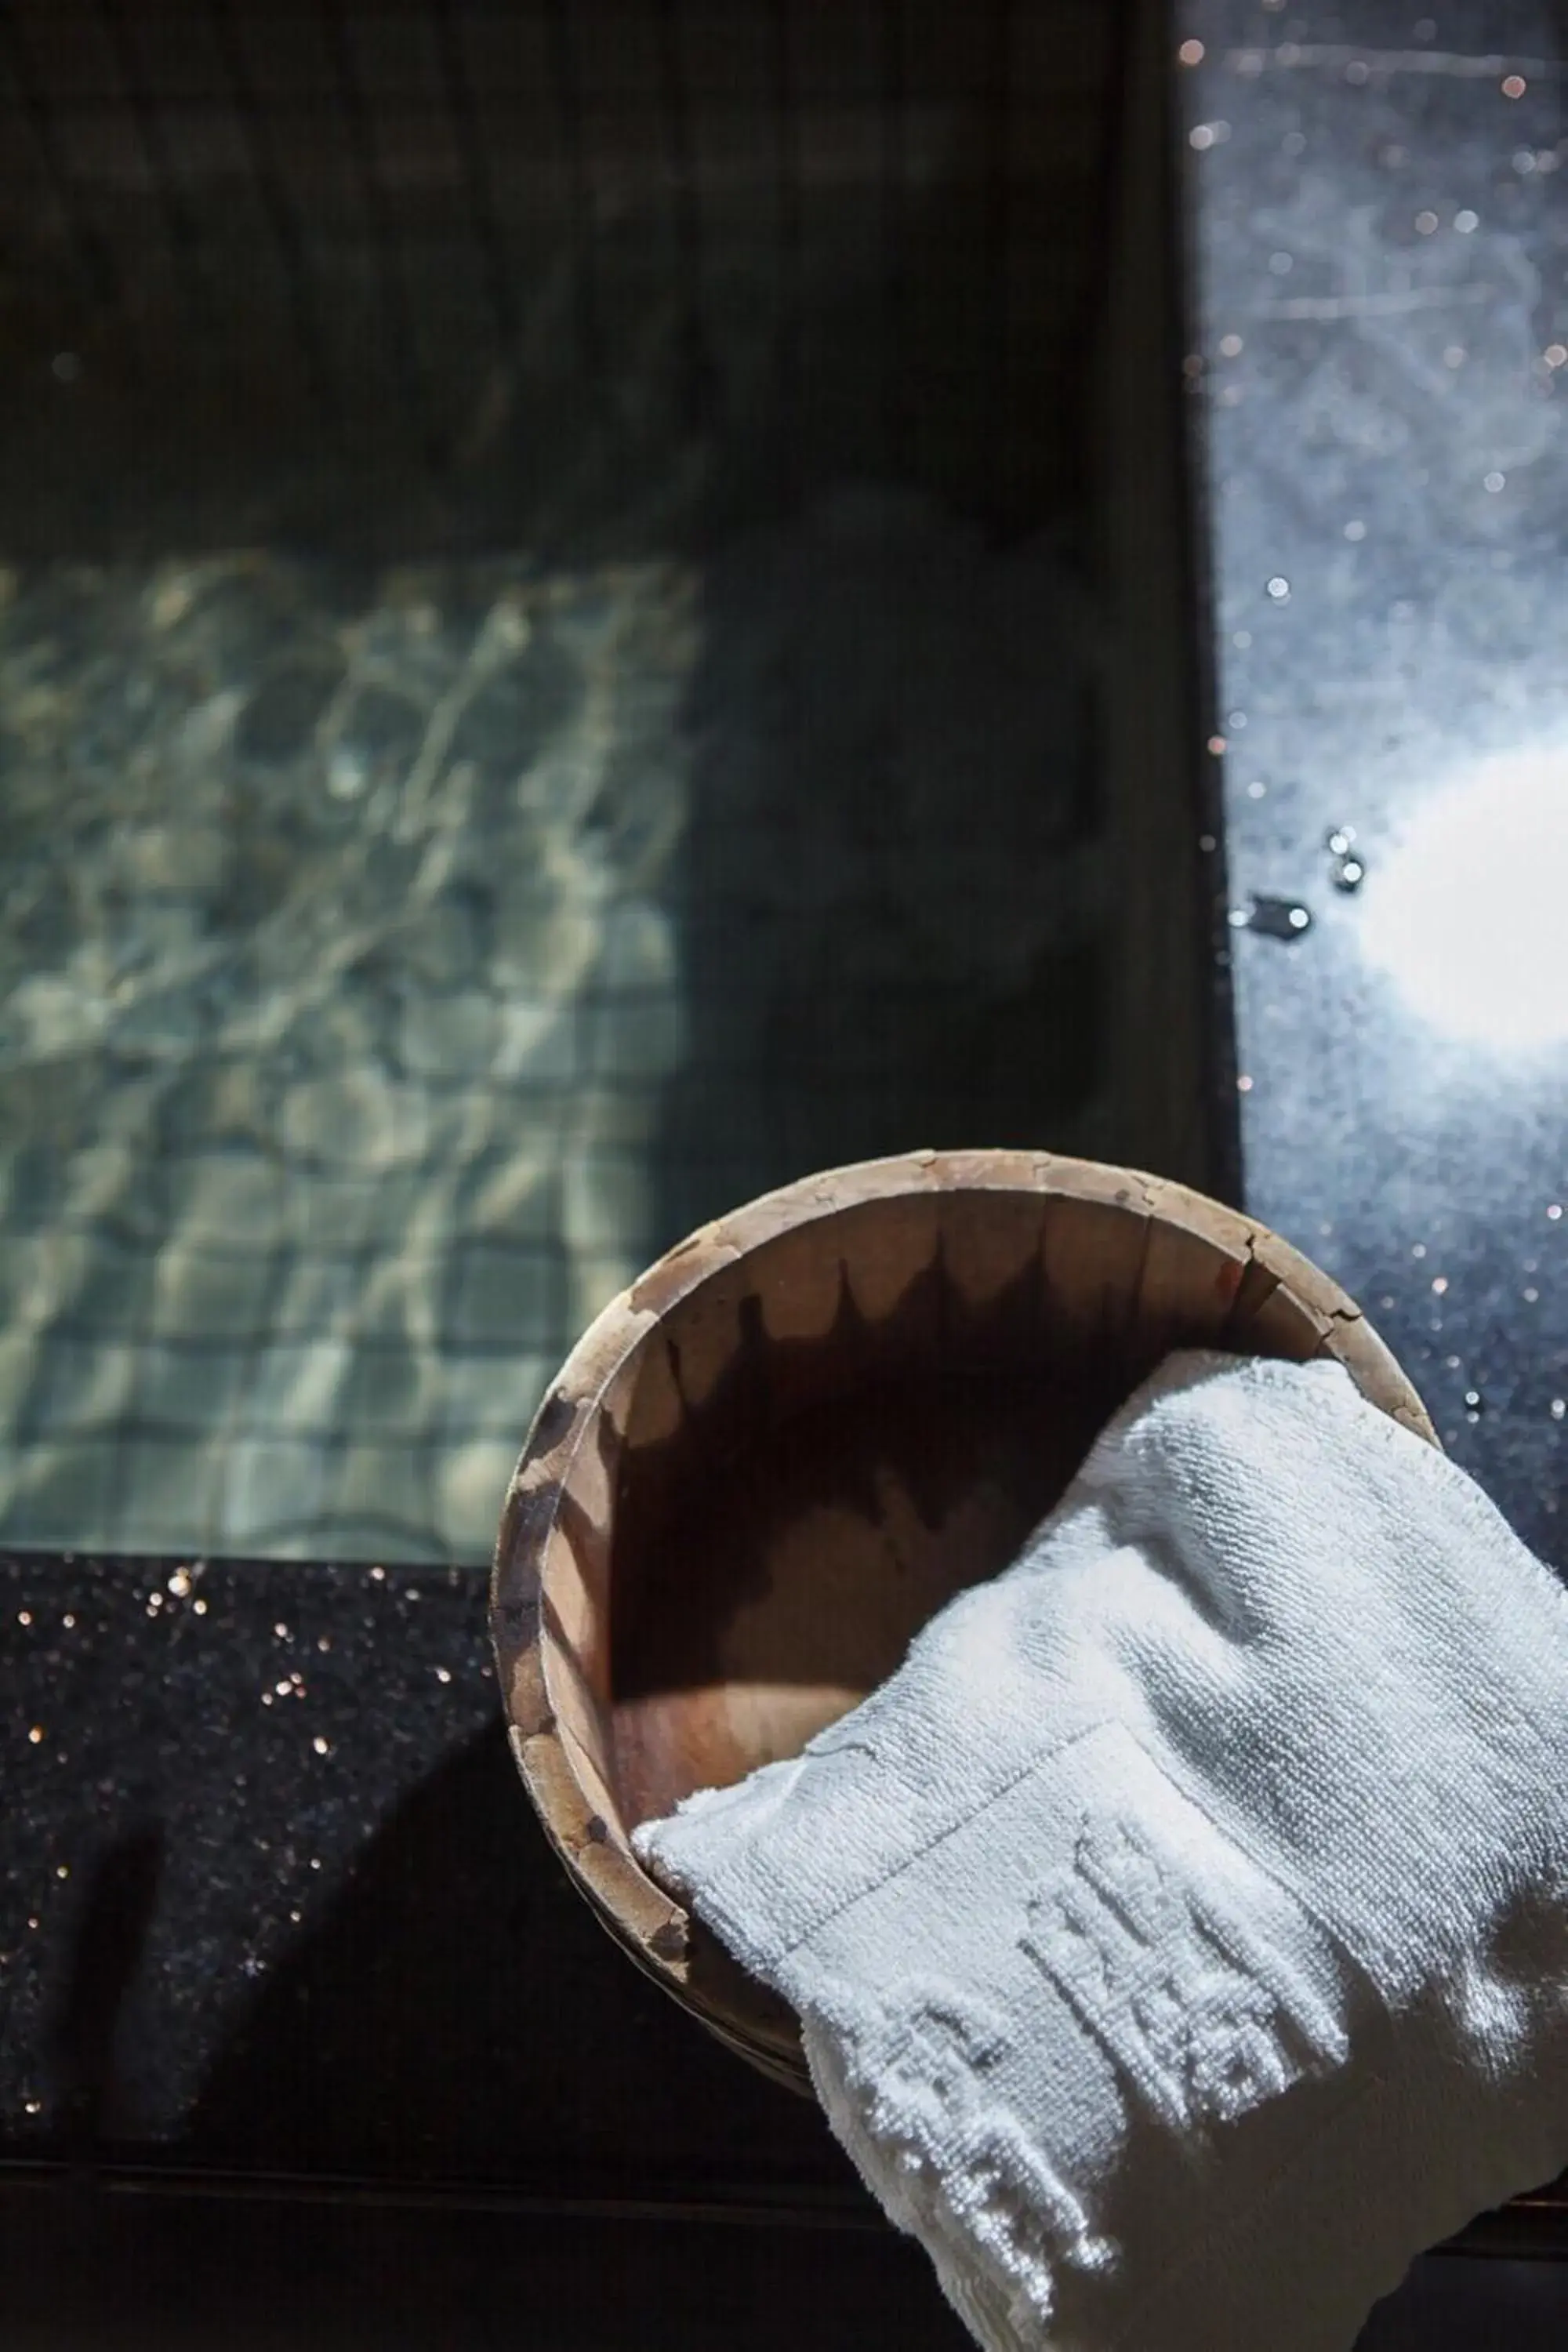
(1468, 913)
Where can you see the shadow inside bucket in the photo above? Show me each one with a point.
(800, 1569)
(775, 1555)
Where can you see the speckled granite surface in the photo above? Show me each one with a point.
(1380, 361)
(272, 1899)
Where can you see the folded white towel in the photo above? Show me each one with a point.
(1181, 1936)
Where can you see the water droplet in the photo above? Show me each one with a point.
(1417, 1249)
(1425, 28)
(1559, 1408)
(1191, 53)
(1530, 1297)
(1280, 919)
(1455, 355)
(1257, 790)
(1466, 220)
(443, 1674)
(1207, 844)
(1280, 265)
(321, 1746)
(36, 1735)
(1278, 588)
(1426, 223)
(1514, 85)
(1339, 839)
(1440, 1283)
(1231, 345)
(65, 366)
(281, 1631)
(1244, 1086)
(1201, 136)
(200, 1608)
(1294, 142)
(1242, 638)
(1556, 355)
(1493, 482)
(1357, 71)
(1554, 1209)
(1355, 527)
(1474, 1402)
(1347, 874)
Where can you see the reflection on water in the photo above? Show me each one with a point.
(388, 968)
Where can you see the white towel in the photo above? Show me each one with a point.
(1181, 1936)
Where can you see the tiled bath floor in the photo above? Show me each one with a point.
(391, 962)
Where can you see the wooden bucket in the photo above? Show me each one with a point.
(773, 1459)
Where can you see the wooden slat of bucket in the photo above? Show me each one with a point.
(1092, 1250)
(801, 1292)
(707, 1333)
(996, 1283)
(1195, 1263)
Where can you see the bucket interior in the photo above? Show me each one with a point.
(822, 1441)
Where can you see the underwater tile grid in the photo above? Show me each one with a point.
(392, 964)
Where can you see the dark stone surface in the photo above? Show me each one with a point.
(306, 2041)
(275, 1901)
(138, 2273)
(1379, 202)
